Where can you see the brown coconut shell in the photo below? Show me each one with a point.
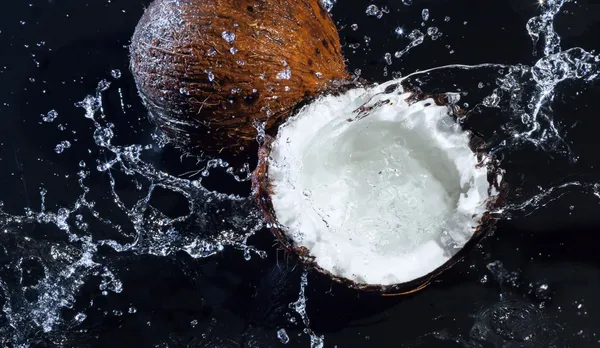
(205, 88)
(262, 189)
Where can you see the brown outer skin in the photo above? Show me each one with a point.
(176, 44)
(262, 191)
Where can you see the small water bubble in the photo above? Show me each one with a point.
(103, 85)
(228, 36)
(407, 2)
(447, 19)
(115, 73)
(284, 74)
(416, 35)
(193, 323)
(65, 144)
(354, 27)
(211, 76)
(374, 11)
(233, 50)
(240, 62)
(50, 116)
(184, 91)
(132, 310)
(388, 58)
(425, 14)
(431, 31)
(80, 317)
(211, 52)
(328, 4)
(117, 313)
(283, 336)
(319, 74)
(492, 100)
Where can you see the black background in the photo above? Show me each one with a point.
(53, 53)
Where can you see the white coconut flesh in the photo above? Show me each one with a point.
(382, 199)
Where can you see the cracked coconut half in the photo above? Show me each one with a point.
(378, 187)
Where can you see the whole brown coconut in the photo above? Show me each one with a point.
(211, 71)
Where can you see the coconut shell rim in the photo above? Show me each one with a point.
(261, 190)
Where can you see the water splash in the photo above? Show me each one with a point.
(38, 282)
(74, 258)
(299, 306)
(543, 26)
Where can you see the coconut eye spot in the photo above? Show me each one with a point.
(384, 199)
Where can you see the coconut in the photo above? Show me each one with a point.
(378, 187)
(211, 72)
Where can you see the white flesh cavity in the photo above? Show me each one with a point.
(381, 200)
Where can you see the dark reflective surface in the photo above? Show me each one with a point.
(534, 283)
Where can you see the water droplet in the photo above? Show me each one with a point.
(103, 85)
(50, 116)
(80, 317)
(319, 74)
(328, 4)
(284, 74)
(65, 144)
(388, 58)
(228, 36)
(407, 2)
(283, 336)
(184, 91)
(354, 27)
(425, 14)
(115, 73)
(374, 11)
